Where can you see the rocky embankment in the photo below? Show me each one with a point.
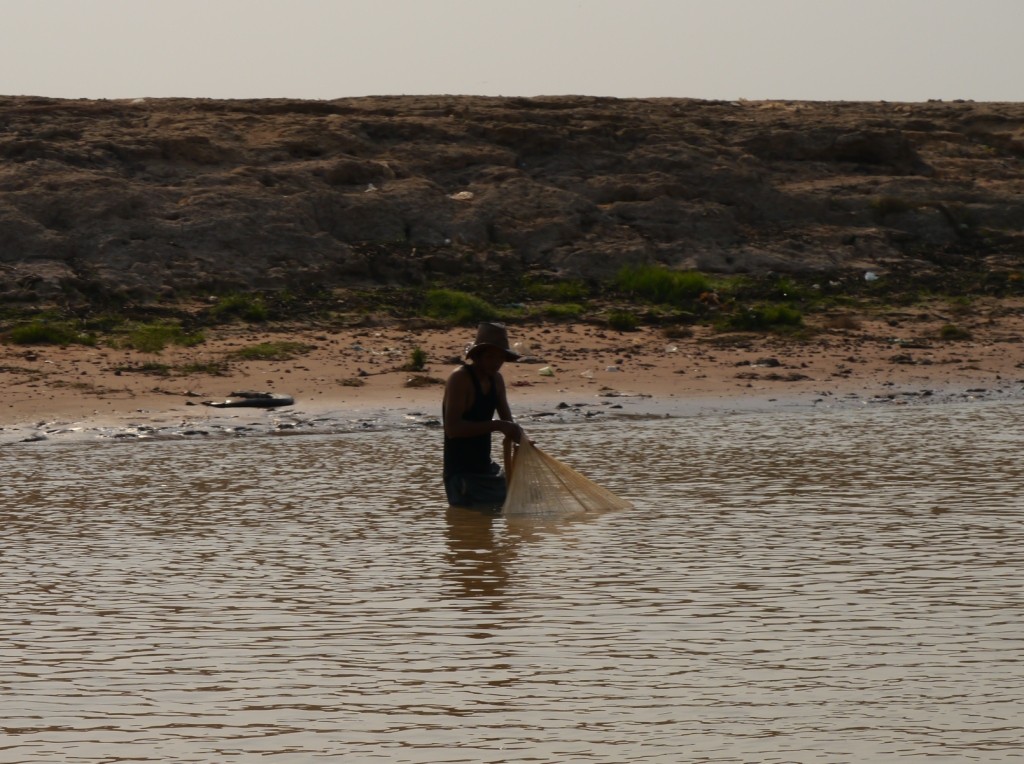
(173, 197)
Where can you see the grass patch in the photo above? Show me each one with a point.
(211, 368)
(150, 367)
(677, 332)
(457, 307)
(559, 291)
(423, 381)
(41, 332)
(563, 312)
(272, 351)
(623, 320)
(152, 338)
(891, 205)
(951, 332)
(104, 323)
(961, 306)
(761, 318)
(785, 288)
(82, 387)
(662, 285)
(733, 341)
(842, 321)
(245, 307)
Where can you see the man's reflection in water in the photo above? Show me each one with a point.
(478, 552)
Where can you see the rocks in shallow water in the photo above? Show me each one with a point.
(250, 399)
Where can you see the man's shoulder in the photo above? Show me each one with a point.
(458, 374)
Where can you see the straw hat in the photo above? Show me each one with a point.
(492, 335)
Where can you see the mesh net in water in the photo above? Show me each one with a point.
(541, 485)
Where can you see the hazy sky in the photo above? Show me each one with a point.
(895, 50)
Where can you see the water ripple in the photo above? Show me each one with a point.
(822, 587)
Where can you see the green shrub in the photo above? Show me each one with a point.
(243, 306)
(761, 318)
(417, 360)
(458, 307)
(49, 333)
(662, 285)
(272, 351)
(623, 320)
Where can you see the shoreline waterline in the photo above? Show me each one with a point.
(531, 410)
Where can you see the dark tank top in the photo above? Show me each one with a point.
(472, 454)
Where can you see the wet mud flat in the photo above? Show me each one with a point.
(326, 419)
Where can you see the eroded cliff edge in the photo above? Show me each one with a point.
(158, 198)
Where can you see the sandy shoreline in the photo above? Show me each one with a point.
(355, 375)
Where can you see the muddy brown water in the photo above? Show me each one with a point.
(819, 586)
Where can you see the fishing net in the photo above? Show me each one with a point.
(539, 484)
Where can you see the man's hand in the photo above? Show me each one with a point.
(509, 429)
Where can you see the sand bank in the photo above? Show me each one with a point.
(360, 376)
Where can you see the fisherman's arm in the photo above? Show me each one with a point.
(505, 411)
(458, 399)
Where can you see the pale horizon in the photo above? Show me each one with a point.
(810, 50)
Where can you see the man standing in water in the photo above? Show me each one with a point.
(472, 395)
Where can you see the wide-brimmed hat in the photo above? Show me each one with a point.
(494, 336)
